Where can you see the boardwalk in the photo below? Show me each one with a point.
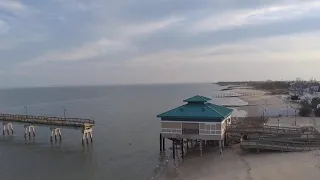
(234, 94)
(54, 123)
(253, 134)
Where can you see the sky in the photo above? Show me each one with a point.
(96, 42)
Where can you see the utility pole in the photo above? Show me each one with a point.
(64, 112)
(26, 110)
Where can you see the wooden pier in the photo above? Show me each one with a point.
(253, 134)
(54, 123)
(233, 94)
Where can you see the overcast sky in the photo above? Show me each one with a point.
(89, 42)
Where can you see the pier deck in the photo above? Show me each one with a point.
(50, 121)
(54, 123)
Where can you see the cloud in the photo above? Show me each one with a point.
(150, 27)
(84, 52)
(265, 15)
(4, 27)
(286, 48)
(13, 42)
(12, 5)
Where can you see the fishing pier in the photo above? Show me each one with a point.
(55, 125)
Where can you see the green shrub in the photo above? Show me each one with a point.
(317, 112)
(305, 111)
(314, 103)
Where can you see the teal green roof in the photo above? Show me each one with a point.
(201, 111)
(197, 98)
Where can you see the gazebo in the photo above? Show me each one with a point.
(196, 120)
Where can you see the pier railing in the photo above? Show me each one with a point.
(56, 121)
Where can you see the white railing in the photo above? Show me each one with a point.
(171, 130)
(210, 132)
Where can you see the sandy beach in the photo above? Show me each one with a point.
(236, 164)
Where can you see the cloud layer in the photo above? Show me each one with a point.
(136, 41)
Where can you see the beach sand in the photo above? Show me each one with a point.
(234, 164)
(260, 102)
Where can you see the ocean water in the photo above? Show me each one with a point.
(125, 139)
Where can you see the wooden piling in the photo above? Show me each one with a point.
(160, 141)
(187, 145)
(173, 150)
(163, 144)
(201, 147)
(182, 148)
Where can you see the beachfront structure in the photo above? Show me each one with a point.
(196, 120)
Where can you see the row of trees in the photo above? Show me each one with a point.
(306, 108)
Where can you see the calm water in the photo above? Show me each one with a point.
(123, 114)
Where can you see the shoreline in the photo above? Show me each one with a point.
(237, 164)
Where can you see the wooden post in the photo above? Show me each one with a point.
(91, 136)
(201, 147)
(173, 150)
(182, 148)
(220, 146)
(226, 139)
(160, 140)
(163, 143)
(187, 145)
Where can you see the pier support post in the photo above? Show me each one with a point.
(160, 141)
(55, 132)
(33, 131)
(60, 136)
(83, 138)
(222, 142)
(187, 145)
(7, 127)
(29, 129)
(91, 136)
(4, 129)
(86, 133)
(25, 132)
(87, 138)
(182, 148)
(220, 146)
(173, 150)
(225, 139)
(51, 137)
(163, 144)
(200, 147)
(11, 127)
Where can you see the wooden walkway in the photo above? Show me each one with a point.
(253, 134)
(43, 120)
(54, 123)
(285, 145)
(234, 94)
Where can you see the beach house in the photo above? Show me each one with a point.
(198, 119)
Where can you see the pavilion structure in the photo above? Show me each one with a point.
(196, 121)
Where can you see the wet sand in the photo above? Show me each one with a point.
(235, 164)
